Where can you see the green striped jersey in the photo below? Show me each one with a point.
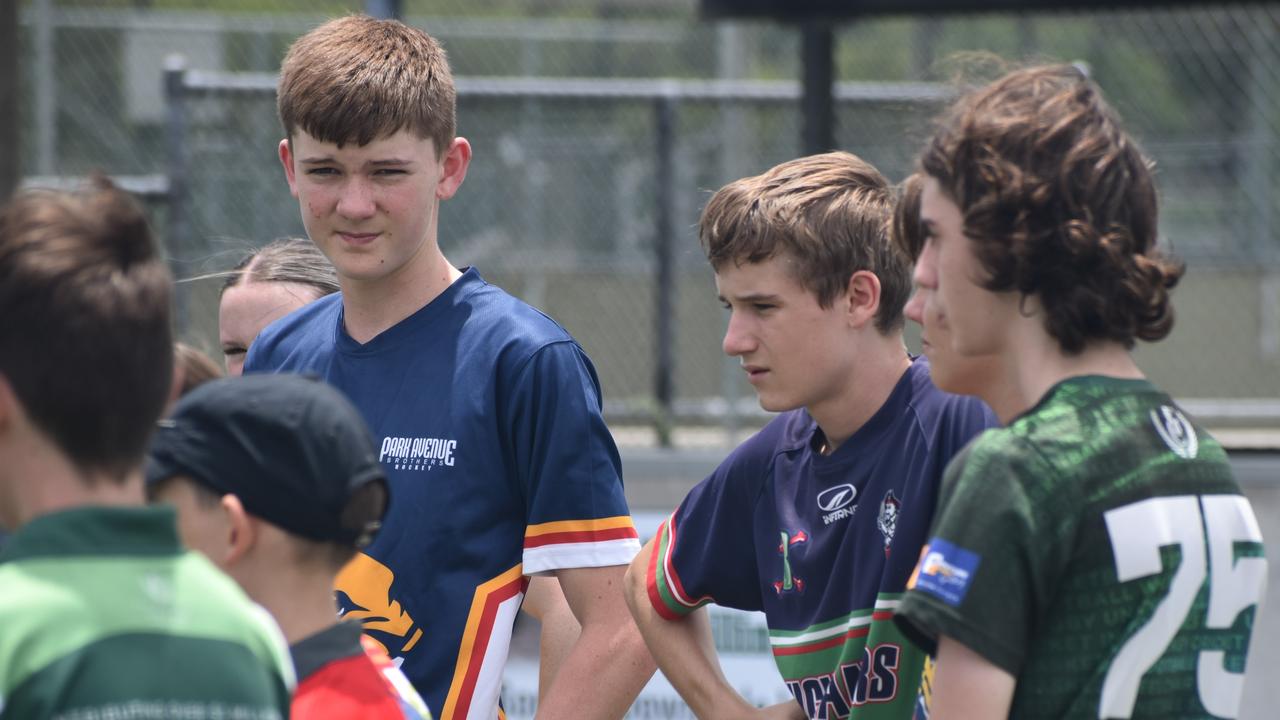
(103, 616)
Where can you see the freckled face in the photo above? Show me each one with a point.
(371, 209)
(247, 308)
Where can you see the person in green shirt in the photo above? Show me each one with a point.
(102, 613)
(1094, 558)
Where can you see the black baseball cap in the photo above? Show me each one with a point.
(293, 449)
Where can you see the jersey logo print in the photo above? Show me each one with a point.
(789, 582)
(417, 453)
(887, 520)
(831, 696)
(945, 571)
(1176, 430)
(836, 501)
(365, 585)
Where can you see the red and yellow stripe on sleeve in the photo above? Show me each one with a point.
(666, 592)
(600, 542)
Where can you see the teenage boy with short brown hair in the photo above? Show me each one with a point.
(487, 413)
(818, 519)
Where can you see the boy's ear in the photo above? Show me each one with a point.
(242, 530)
(456, 160)
(286, 159)
(862, 298)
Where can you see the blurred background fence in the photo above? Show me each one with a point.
(601, 126)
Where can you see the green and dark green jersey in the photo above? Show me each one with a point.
(1099, 550)
(104, 615)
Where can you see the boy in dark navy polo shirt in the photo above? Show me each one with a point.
(818, 519)
(487, 413)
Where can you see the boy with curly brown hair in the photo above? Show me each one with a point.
(1095, 557)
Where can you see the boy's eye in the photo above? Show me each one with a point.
(232, 351)
(763, 307)
(322, 171)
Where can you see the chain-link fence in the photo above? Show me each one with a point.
(587, 162)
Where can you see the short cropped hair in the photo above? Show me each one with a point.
(1060, 203)
(85, 339)
(287, 260)
(908, 234)
(357, 78)
(830, 213)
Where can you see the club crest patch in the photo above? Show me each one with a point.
(1176, 431)
(887, 519)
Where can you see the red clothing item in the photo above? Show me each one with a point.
(342, 674)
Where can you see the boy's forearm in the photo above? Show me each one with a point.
(559, 628)
(604, 671)
(685, 651)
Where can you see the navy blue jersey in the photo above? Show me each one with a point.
(500, 465)
(823, 545)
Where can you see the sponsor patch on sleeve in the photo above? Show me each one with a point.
(945, 571)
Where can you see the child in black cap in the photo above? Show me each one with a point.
(276, 480)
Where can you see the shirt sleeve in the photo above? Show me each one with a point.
(567, 466)
(705, 552)
(986, 575)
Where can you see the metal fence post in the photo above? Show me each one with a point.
(665, 290)
(387, 9)
(177, 241)
(10, 102)
(817, 52)
(46, 125)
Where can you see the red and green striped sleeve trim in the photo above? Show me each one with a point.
(666, 592)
